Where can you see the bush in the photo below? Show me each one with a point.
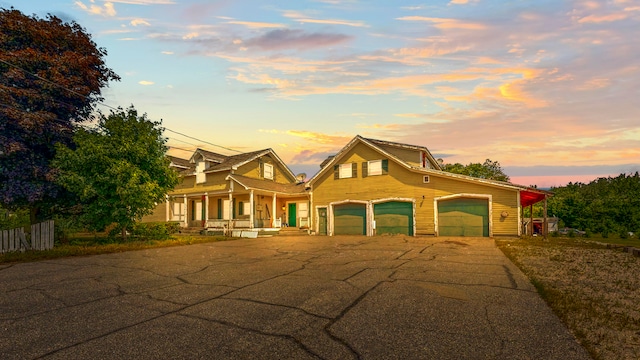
(155, 230)
(14, 219)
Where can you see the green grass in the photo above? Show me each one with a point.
(90, 244)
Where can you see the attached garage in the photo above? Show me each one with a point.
(350, 219)
(463, 217)
(393, 217)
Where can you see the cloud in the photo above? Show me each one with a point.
(444, 23)
(106, 10)
(283, 39)
(256, 25)
(598, 19)
(167, 52)
(302, 18)
(137, 22)
(145, 82)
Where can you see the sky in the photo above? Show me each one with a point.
(549, 89)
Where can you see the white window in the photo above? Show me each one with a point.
(246, 208)
(201, 177)
(225, 209)
(375, 167)
(302, 210)
(267, 171)
(178, 211)
(346, 171)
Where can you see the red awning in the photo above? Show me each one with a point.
(528, 197)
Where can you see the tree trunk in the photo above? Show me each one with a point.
(124, 233)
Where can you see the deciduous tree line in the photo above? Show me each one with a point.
(605, 205)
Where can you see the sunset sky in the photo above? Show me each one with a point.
(550, 89)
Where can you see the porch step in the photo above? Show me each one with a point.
(190, 231)
(293, 231)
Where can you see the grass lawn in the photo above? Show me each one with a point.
(89, 244)
(592, 287)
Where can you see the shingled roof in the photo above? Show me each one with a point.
(267, 185)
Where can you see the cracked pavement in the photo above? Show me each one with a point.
(307, 297)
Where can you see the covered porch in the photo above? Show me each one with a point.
(245, 203)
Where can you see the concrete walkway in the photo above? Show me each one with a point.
(282, 298)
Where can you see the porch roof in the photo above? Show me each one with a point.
(268, 185)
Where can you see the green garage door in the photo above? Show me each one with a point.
(463, 217)
(394, 218)
(350, 219)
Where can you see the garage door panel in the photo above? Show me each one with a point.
(463, 217)
(350, 219)
(394, 218)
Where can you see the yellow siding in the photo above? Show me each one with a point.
(403, 183)
(159, 214)
(252, 170)
(215, 182)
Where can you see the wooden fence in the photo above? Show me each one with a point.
(41, 238)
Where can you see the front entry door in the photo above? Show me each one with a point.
(322, 221)
(292, 215)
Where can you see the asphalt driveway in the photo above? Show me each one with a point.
(282, 298)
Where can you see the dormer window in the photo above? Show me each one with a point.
(267, 171)
(201, 177)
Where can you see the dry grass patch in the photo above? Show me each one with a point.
(595, 290)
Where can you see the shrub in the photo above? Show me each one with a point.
(155, 230)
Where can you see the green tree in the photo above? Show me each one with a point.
(119, 169)
(487, 170)
(51, 76)
(603, 206)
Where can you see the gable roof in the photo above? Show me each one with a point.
(531, 195)
(423, 149)
(207, 155)
(221, 162)
(179, 163)
(376, 145)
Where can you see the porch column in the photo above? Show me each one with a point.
(274, 210)
(531, 219)
(251, 211)
(167, 213)
(186, 212)
(230, 210)
(205, 204)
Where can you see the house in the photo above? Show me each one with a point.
(374, 187)
(253, 190)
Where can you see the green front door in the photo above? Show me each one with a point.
(322, 221)
(463, 217)
(350, 219)
(394, 217)
(292, 215)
